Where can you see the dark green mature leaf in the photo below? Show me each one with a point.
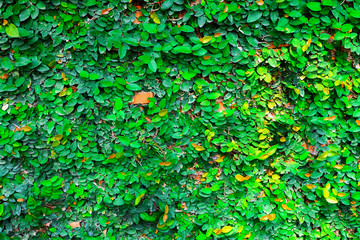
(254, 16)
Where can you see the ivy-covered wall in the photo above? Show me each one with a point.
(178, 119)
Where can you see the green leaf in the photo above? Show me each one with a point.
(328, 3)
(187, 28)
(254, 16)
(314, 6)
(146, 217)
(152, 65)
(167, 4)
(18, 135)
(356, 195)
(182, 49)
(46, 183)
(6, 63)
(355, 14)
(206, 191)
(25, 14)
(118, 201)
(12, 31)
(1, 209)
(151, 27)
(133, 87)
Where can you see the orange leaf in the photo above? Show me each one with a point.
(226, 9)
(248, 235)
(165, 217)
(206, 57)
(357, 122)
(307, 174)
(142, 97)
(105, 11)
(165, 164)
(278, 200)
(112, 156)
(74, 224)
(221, 107)
(332, 118)
(260, 2)
(264, 218)
(271, 217)
(138, 14)
(5, 76)
(310, 186)
(341, 194)
(166, 209)
(217, 35)
(20, 200)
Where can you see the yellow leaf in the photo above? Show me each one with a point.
(155, 18)
(163, 112)
(332, 200)
(296, 128)
(326, 91)
(241, 228)
(205, 39)
(304, 48)
(160, 226)
(239, 178)
(27, 129)
(275, 177)
(297, 91)
(271, 105)
(262, 137)
(220, 159)
(198, 147)
(58, 137)
(322, 156)
(265, 156)
(226, 229)
(282, 139)
(337, 166)
(326, 193)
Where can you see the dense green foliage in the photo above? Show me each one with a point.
(251, 129)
